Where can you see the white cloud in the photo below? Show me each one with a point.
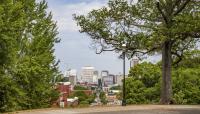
(63, 14)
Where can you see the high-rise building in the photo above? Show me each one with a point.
(71, 75)
(87, 74)
(104, 73)
(108, 80)
(119, 79)
(134, 61)
(95, 77)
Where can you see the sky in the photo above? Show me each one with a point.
(74, 49)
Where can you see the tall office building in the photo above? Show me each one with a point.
(104, 73)
(95, 77)
(119, 79)
(71, 75)
(87, 74)
(108, 80)
(134, 61)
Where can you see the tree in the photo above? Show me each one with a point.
(28, 65)
(135, 91)
(143, 84)
(11, 23)
(148, 73)
(102, 96)
(35, 66)
(191, 59)
(168, 27)
(186, 85)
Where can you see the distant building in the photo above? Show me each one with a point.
(71, 76)
(99, 83)
(95, 77)
(114, 78)
(134, 61)
(104, 73)
(87, 74)
(108, 80)
(65, 89)
(119, 79)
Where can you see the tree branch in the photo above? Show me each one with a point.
(162, 13)
(181, 7)
(102, 50)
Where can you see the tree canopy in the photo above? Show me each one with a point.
(169, 27)
(143, 84)
(28, 65)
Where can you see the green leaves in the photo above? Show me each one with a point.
(144, 82)
(27, 65)
(146, 27)
(186, 86)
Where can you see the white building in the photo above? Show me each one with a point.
(71, 74)
(119, 79)
(104, 73)
(134, 61)
(87, 74)
(95, 77)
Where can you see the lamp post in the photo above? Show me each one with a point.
(124, 91)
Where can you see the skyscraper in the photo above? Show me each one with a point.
(87, 74)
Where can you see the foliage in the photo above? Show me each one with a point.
(186, 86)
(27, 65)
(116, 88)
(148, 73)
(146, 26)
(119, 96)
(83, 104)
(91, 98)
(83, 97)
(191, 59)
(186, 83)
(102, 97)
(134, 95)
(77, 87)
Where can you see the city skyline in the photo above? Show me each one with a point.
(74, 50)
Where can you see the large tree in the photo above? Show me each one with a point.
(28, 66)
(35, 66)
(168, 27)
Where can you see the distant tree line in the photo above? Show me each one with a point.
(27, 63)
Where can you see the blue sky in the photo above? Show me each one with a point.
(74, 49)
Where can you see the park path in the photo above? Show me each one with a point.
(144, 109)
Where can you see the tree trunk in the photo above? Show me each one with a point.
(166, 91)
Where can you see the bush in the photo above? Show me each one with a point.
(103, 97)
(134, 91)
(83, 98)
(116, 88)
(186, 86)
(77, 87)
(143, 84)
(84, 102)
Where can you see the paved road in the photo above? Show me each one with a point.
(137, 109)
